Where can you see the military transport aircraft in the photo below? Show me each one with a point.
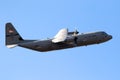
(62, 40)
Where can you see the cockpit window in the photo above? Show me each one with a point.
(104, 33)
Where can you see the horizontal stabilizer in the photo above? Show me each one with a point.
(11, 46)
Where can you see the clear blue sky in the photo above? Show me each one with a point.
(39, 19)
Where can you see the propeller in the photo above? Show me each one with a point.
(76, 31)
(73, 33)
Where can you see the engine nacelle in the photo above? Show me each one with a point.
(73, 33)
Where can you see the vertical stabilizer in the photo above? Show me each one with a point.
(12, 36)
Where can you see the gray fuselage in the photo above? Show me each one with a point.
(82, 39)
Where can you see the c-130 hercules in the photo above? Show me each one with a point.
(62, 40)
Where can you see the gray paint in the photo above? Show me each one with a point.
(82, 40)
(48, 45)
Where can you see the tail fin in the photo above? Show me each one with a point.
(12, 36)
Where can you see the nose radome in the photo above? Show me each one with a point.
(110, 36)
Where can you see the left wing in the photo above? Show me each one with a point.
(60, 36)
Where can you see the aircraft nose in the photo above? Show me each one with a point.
(110, 37)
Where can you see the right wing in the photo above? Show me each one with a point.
(60, 36)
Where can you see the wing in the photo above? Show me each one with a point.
(60, 36)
